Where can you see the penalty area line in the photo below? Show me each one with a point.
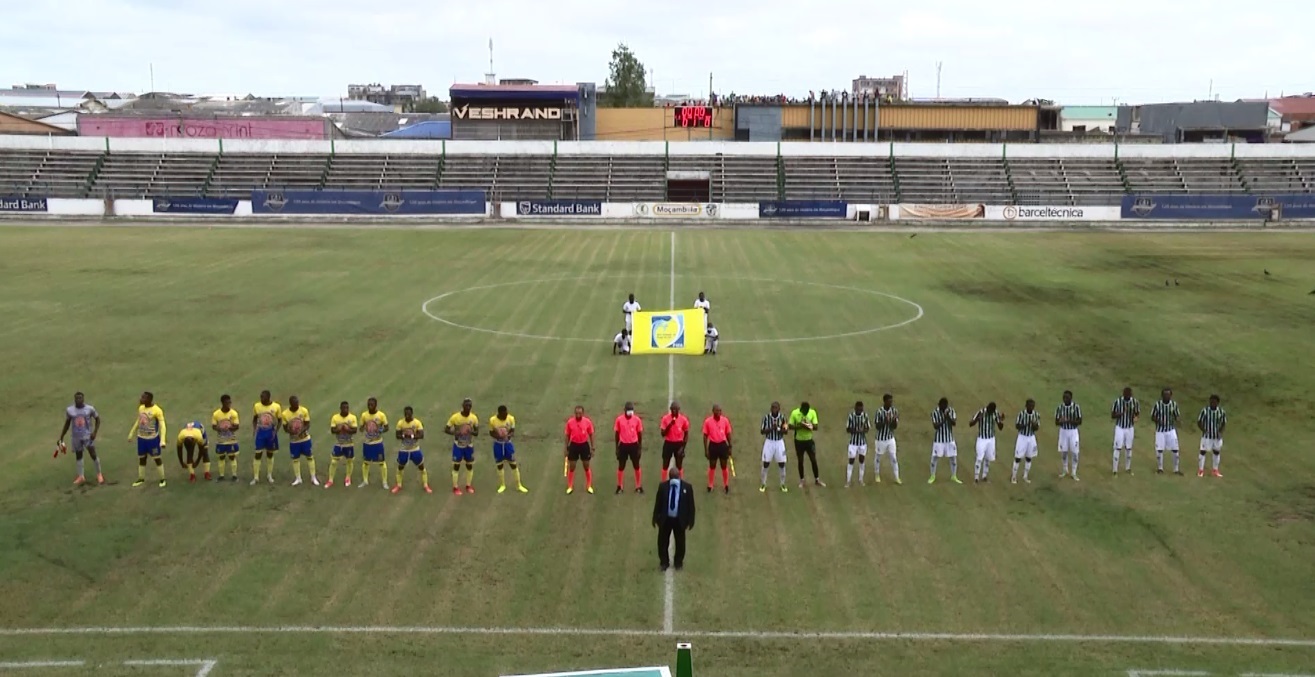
(638, 632)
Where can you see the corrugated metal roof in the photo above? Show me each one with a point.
(1294, 105)
(1306, 135)
(430, 129)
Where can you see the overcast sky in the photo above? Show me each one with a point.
(1075, 53)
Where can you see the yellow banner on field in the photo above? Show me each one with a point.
(669, 332)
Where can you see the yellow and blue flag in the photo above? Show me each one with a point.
(669, 332)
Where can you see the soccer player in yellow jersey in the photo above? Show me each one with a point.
(343, 427)
(463, 426)
(410, 431)
(225, 423)
(502, 428)
(296, 421)
(265, 419)
(149, 431)
(193, 438)
(374, 423)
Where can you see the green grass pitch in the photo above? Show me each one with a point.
(1163, 563)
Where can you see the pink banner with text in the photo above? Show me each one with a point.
(184, 127)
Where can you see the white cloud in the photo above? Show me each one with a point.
(1016, 49)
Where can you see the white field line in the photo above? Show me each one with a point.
(23, 665)
(1020, 638)
(1167, 673)
(1274, 674)
(668, 577)
(203, 665)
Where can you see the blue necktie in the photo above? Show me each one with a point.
(673, 499)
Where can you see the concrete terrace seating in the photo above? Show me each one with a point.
(235, 176)
(473, 172)
(355, 172)
(1273, 176)
(298, 172)
(581, 177)
(746, 178)
(17, 169)
(925, 181)
(701, 163)
(863, 179)
(1093, 182)
(522, 177)
(981, 180)
(138, 175)
(811, 178)
(181, 174)
(410, 172)
(1041, 181)
(1209, 175)
(1152, 176)
(636, 179)
(42, 173)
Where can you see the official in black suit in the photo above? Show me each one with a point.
(673, 513)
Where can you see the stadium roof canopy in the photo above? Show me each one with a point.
(516, 92)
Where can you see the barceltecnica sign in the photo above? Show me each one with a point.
(468, 112)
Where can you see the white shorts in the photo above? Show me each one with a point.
(630, 323)
(1166, 441)
(773, 451)
(1025, 447)
(944, 450)
(886, 448)
(986, 450)
(1208, 444)
(1068, 441)
(858, 450)
(1123, 438)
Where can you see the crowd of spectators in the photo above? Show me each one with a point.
(813, 97)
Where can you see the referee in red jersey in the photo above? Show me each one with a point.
(579, 447)
(629, 431)
(717, 447)
(674, 428)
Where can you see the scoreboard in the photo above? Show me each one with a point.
(692, 116)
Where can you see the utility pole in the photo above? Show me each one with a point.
(938, 79)
(711, 121)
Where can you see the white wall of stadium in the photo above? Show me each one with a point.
(799, 149)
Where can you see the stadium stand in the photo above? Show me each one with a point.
(1026, 180)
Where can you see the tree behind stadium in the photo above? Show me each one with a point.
(626, 85)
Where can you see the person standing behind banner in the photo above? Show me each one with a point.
(628, 309)
(673, 514)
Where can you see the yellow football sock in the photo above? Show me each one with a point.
(223, 461)
(296, 468)
(351, 466)
(365, 471)
(269, 463)
(205, 467)
(141, 472)
(424, 478)
(397, 481)
(255, 468)
(456, 476)
(333, 468)
(517, 470)
(383, 472)
(191, 470)
(159, 469)
(310, 462)
(502, 477)
(470, 475)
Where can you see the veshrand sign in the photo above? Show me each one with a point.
(1055, 213)
(23, 204)
(469, 112)
(559, 208)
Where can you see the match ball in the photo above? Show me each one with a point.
(464, 430)
(500, 433)
(408, 434)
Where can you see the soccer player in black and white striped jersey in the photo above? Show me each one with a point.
(1068, 417)
(1027, 423)
(773, 431)
(988, 421)
(942, 421)
(1211, 422)
(1165, 415)
(1125, 412)
(886, 420)
(857, 425)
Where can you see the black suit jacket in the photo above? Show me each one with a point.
(686, 510)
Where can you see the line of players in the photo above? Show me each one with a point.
(269, 417)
